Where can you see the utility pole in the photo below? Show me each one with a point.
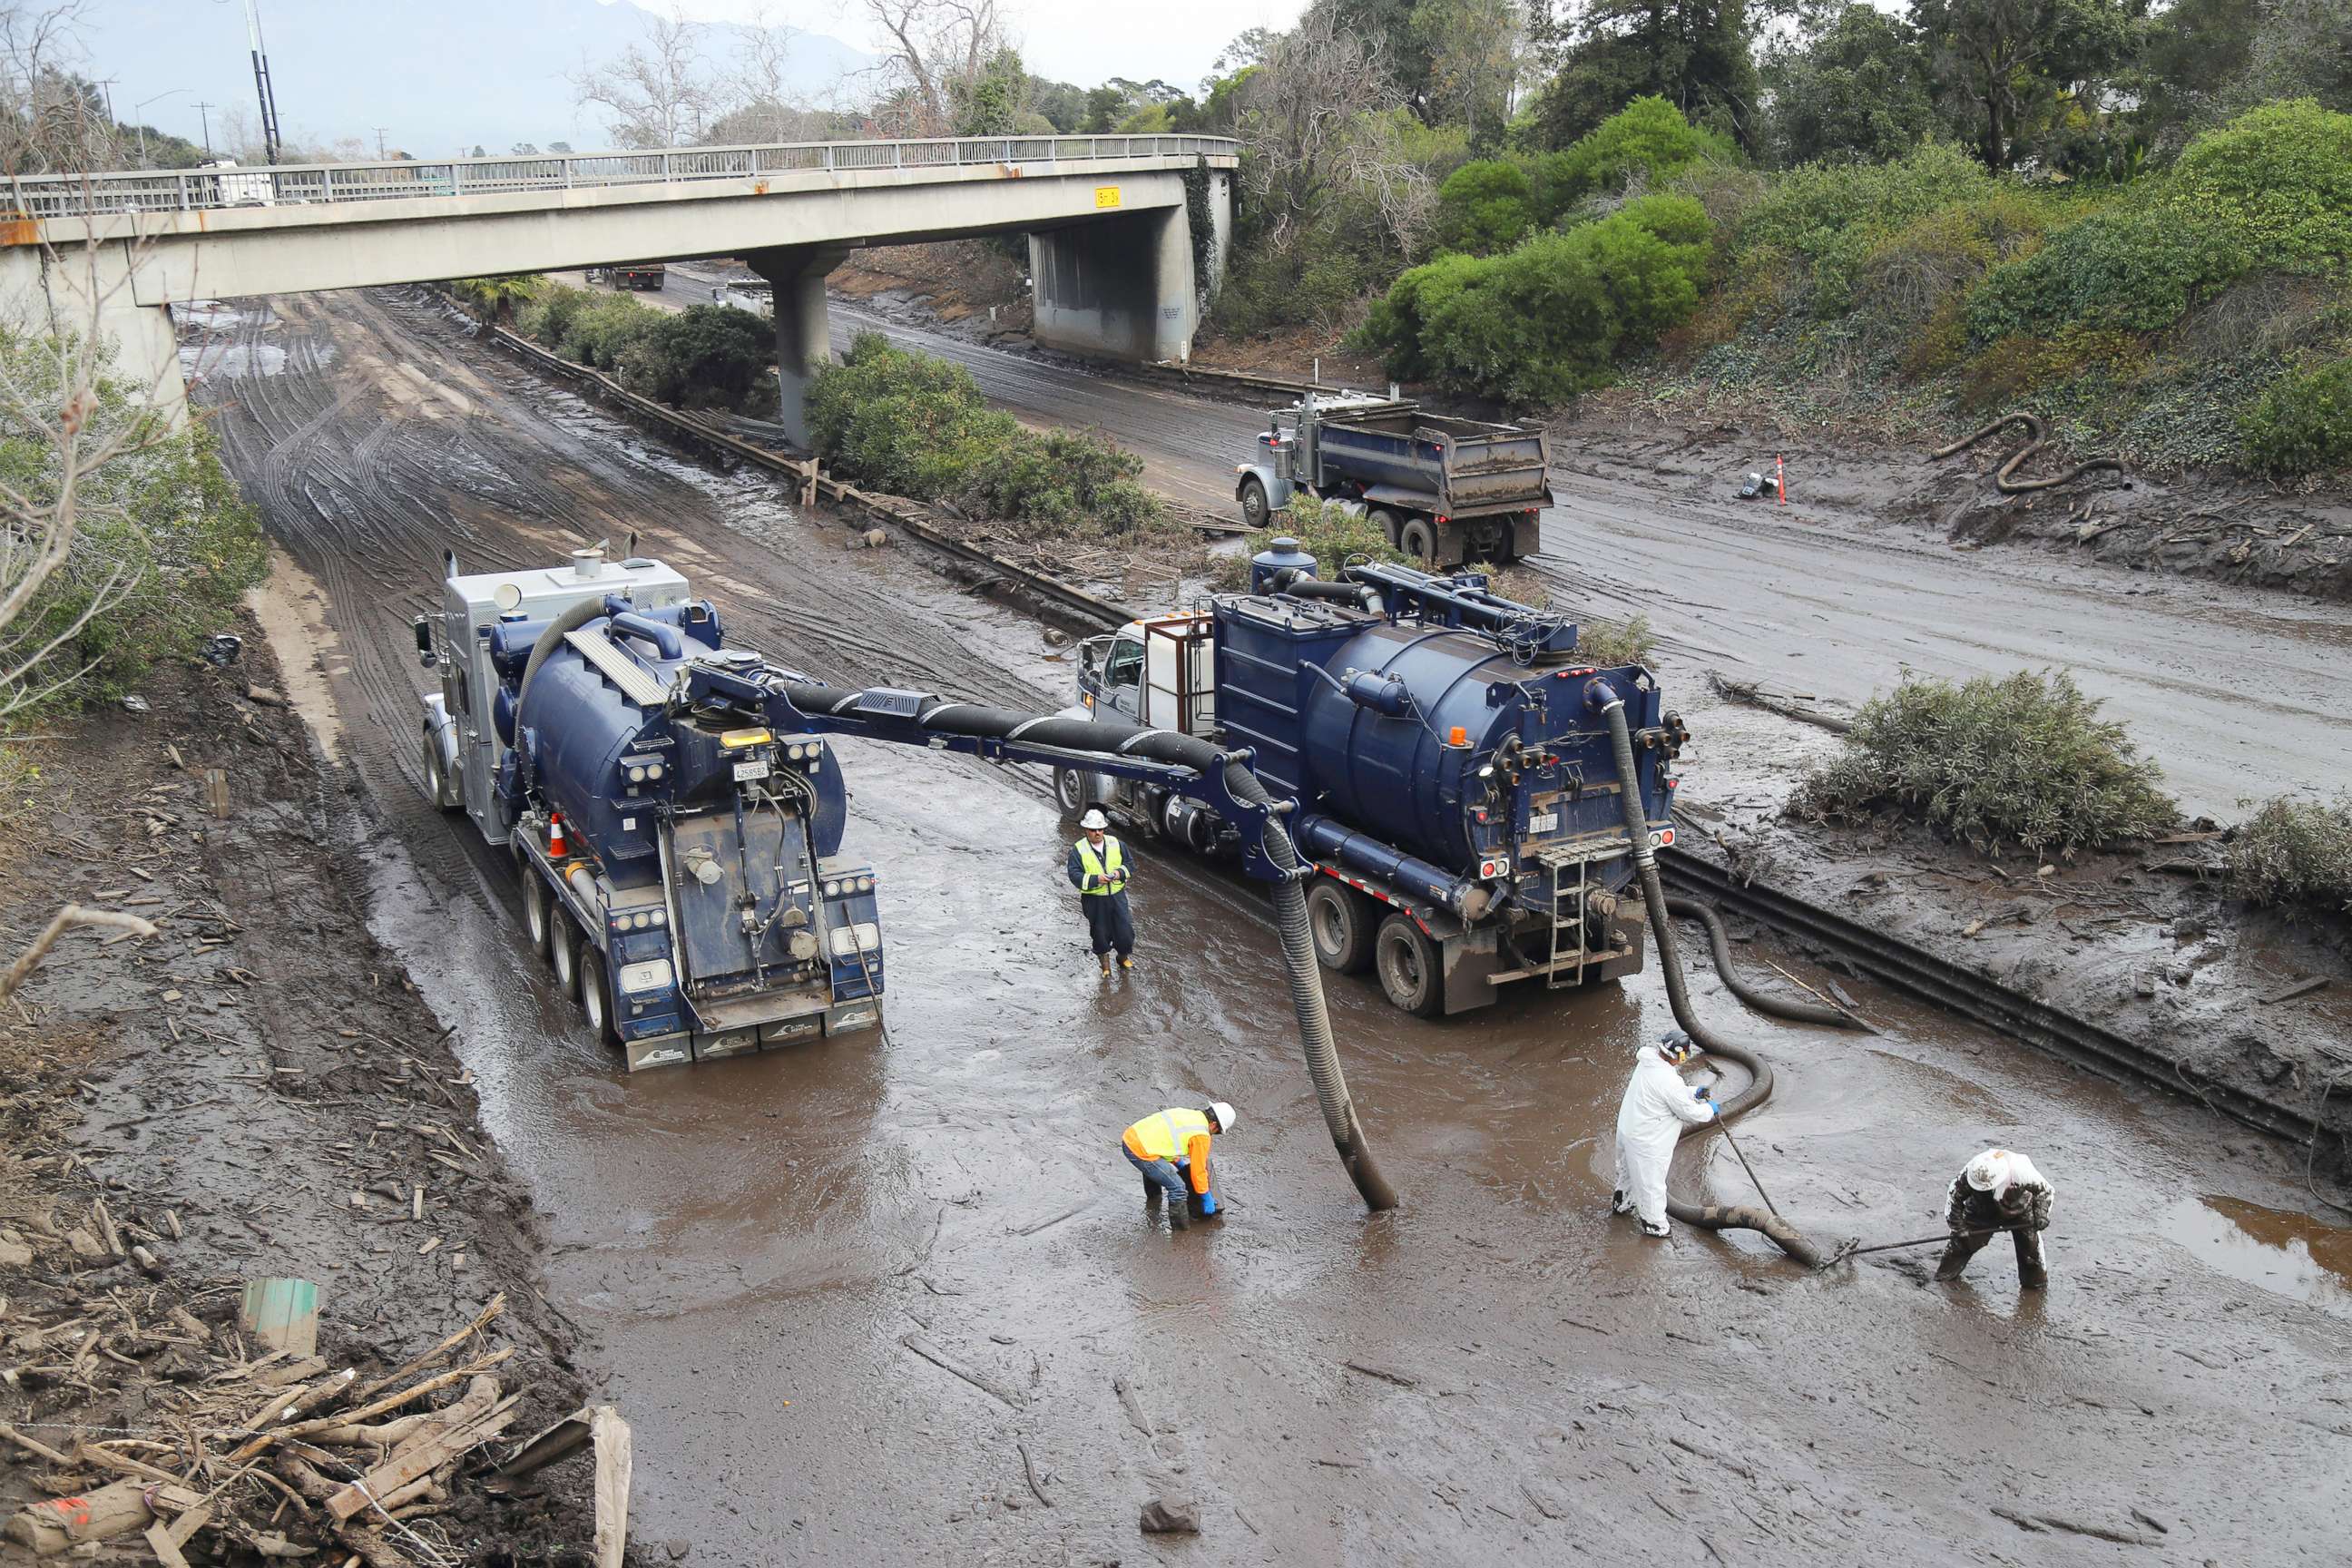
(107, 88)
(270, 144)
(379, 142)
(205, 110)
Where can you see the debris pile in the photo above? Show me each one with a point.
(237, 1434)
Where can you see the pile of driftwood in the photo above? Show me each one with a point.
(277, 1451)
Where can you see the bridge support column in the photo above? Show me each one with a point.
(1116, 288)
(804, 329)
(43, 292)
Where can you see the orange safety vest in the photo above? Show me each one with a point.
(1173, 1134)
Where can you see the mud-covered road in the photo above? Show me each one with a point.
(2237, 692)
(1493, 1372)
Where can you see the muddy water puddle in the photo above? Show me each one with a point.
(2279, 1250)
(750, 1243)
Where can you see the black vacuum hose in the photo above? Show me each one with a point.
(1763, 1001)
(1113, 738)
(1707, 1217)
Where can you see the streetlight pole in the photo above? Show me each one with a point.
(270, 142)
(140, 108)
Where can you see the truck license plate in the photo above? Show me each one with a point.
(1543, 822)
(747, 771)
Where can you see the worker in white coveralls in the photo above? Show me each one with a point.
(1657, 1106)
(1999, 1190)
(1097, 867)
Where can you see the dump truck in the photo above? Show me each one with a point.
(648, 276)
(685, 883)
(1443, 754)
(1445, 490)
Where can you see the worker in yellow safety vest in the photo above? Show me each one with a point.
(1098, 870)
(1170, 1148)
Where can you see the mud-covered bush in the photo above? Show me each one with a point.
(2025, 760)
(706, 357)
(914, 425)
(2295, 853)
(603, 328)
(1334, 533)
(1613, 643)
(2302, 424)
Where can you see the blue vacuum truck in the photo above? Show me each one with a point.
(685, 880)
(1452, 775)
(1443, 490)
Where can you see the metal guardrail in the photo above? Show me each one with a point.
(191, 190)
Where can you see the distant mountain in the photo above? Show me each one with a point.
(438, 76)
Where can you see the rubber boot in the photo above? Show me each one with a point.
(1180, 1213)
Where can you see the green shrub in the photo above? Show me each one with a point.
(1536, 326)
(1485, 206)
(1828, 217)
(2269, 192)
(2294, 852)
(706, 356)
(1333, 532)
(914, 425)
(497, 300)
(1647, 140)
(2302, 424)
(2025, 760)
(548, 318)
(601, 330)
(164, 544)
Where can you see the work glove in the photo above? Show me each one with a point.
(1208, 1203)
(1700, 1093)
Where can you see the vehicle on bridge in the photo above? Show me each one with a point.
(685, 883)
(1454, 782)
(1446, 491)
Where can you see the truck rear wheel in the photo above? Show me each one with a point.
(537, 915)
(1409, 967)
(595, 1001)
(563, 951)
(1070, 789)
(1417, 537)
(1252, 496)
(1388, 523)
(437, 783)
(1341, 920)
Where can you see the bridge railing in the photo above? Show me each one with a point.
(188, 190)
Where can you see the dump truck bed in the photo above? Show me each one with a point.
(1460, 468)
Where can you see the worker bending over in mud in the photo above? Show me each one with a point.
(1999, 1190)
(1657, 1106)
(1098, 870)
(1171, 1147)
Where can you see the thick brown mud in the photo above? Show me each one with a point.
(1494, 1372)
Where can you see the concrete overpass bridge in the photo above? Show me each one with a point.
(1111, 247)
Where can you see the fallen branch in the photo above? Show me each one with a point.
(64, 920)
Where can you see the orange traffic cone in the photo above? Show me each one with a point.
(557, 847)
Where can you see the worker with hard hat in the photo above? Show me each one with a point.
(1999, 1190)
(1170, 1148)
(1656, 1108)
(1098, 870)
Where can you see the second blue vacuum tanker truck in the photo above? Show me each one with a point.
(1447, 755)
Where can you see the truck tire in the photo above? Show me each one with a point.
(538, 915)
(1409, 967)
(564, 951)
(437, 783)
(595, 999)
(1387, 520)
(1417, 537)
(1341, 920)
(1252, 495)
(1072, 790)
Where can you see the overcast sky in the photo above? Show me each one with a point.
(1081, 41)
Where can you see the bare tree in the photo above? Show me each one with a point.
(1379, 165)
(659, 94)
(52, 119)
(938, 50)
(1300, 109)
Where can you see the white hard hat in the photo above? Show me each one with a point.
(1224, 1114)
(1094, 820)
(1990, 1172)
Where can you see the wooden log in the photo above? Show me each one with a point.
(166, 1550)
(37, 1449)
(429, 1454)
(216, 791)
(559, 1441)
(119, 1508)
(611, 1436)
